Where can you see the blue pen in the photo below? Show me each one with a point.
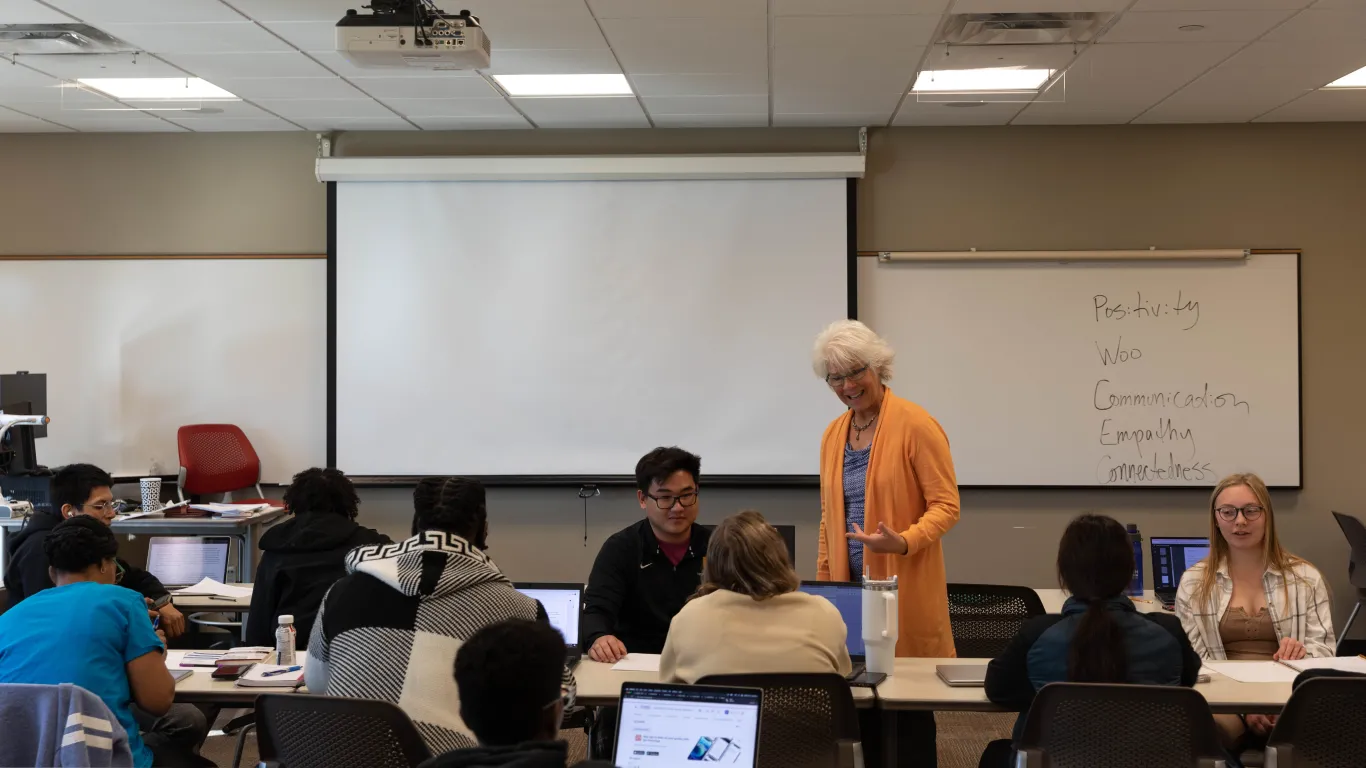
(156, 622)
(275, 672)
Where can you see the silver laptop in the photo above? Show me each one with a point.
(962, 675)
(182, 561)
(563, 605)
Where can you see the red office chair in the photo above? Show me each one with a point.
(218, 458)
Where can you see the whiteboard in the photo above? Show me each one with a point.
(567, 328)
(1101, 374)
(134, 349)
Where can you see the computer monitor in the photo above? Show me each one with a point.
(180, 561)
(1171, 557)
(681, 726)
(563, 605)
(848, 599)
(25, 387)
(18, 451)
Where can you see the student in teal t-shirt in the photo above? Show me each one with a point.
(89, 632)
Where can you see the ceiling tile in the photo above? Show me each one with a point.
(1114, 83)
(1340, 5)
(1219, 26)
(936, 113)
(611, 112)
(857, 7)
(454, 87)
(218, 37)
(647, 9)
(356, 124)
(471, 123)
(233, 66)
(72, 66)
(30, 12)
(868, 34)
(512, 30)
(339, 64)
(1217, 5)
(701, 85)
(979, 56)
(568, 61)
(296, 10)
(1321, 106)
(483, 108)
(326, 108)
(1313, 26)
(1055, 6)
(215, 109)
(692, 46)
(146, 11)
(12, 77)
(1259, 78)
(708, 105)
(710, 121)
(143, 124)
(290, 88)
(307, 35)
(838, 120)
(13, 122)
(234, 124)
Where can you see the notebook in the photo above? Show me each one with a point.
(661, 725)
(847, 597)
(563, 604)
(265, 676)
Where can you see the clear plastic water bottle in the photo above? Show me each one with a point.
(284, 641)
(1136, 583)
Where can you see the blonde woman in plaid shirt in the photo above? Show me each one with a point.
(1251, 599)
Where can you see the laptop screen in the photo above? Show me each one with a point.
(185, 560)
(1171, 558)
(848, 599)
(686, 725)
(563, 604)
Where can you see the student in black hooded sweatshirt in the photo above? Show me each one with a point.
(302, 557)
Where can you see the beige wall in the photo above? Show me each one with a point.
(1261, 186)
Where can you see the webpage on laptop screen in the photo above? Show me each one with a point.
(669, 728)
(562, 608)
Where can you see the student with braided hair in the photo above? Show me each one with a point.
(390, 628)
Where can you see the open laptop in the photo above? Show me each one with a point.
(182, 561)
(564, 605)
(848, 599)
(1171, 557)
(686, 726)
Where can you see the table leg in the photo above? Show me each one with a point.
(889, 745)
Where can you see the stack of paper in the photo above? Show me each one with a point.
(1254, 671)
(207, 586)
(231, 510)
(234, 656)
(1345, 663)
(638, 662)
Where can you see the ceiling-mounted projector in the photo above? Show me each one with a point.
(412, 34)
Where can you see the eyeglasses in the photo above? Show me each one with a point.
(103, 507)
(835, 380)
(118, 571)
(667, 502)
(1229, 514)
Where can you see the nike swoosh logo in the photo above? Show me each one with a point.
(647, 565)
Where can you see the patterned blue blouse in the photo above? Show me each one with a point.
(855, 488)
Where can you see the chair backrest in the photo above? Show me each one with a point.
(1322, 726)
(217, 458)
(986, 617)
(61, 724)
(806, 718)
(323, 732)
(1082, 725)
(1355, 531)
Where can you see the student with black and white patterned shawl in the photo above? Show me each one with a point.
(390, 629)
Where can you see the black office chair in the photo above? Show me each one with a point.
(1083, 725)
(985, 617)
(323, 732)
(1355, 531)
(1322, 726)
(808, 720)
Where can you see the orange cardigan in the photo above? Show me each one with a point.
(911, 487)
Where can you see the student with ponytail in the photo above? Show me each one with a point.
(1098, 638)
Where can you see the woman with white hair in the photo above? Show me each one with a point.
(888, 491)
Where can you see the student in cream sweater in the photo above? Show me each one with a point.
(748, 617)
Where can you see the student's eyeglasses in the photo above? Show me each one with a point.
(103, 507)
(836, 380)
(1250, 513)
(118, 572)
(667, 502)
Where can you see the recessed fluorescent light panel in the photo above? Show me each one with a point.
(156, 88)
(993, 80)
(1355, 80)
(564, 85)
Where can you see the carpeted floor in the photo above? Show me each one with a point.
(962, 736)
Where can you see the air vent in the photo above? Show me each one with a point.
(42, 39)
(1022, 28)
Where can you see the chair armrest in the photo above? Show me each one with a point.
(850, 753)
(1280, 756)
(1029, 758)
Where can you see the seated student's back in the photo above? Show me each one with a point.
(748, 616)
(1099, 637)
(302, 557)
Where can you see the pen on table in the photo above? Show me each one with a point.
(275, 672)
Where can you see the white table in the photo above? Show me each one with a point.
(201, 688)
(600, 686)
(243, 529)
(214, 604)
